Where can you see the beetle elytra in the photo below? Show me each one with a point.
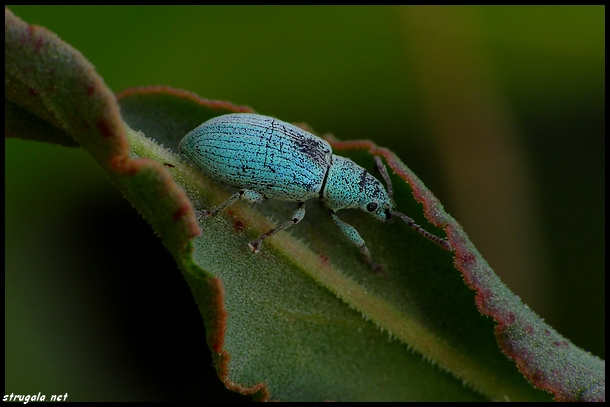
(267, 158)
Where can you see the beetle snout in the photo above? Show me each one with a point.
(388, 214)
(383, 213)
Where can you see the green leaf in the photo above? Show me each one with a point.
(304, 319)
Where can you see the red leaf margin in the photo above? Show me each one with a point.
(547, 359)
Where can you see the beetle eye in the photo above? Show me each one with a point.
(371, 206)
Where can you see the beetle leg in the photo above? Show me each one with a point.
(297, 216)
(245, 194)
(352, 234)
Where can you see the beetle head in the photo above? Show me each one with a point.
(374, 199)
(348, 185)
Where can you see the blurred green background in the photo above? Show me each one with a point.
(499, 110)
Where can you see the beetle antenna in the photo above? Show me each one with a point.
(386, 177)
(384, 174)
(440, 241)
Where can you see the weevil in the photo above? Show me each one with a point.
(267, 158)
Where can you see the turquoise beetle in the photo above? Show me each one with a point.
(267, 158)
